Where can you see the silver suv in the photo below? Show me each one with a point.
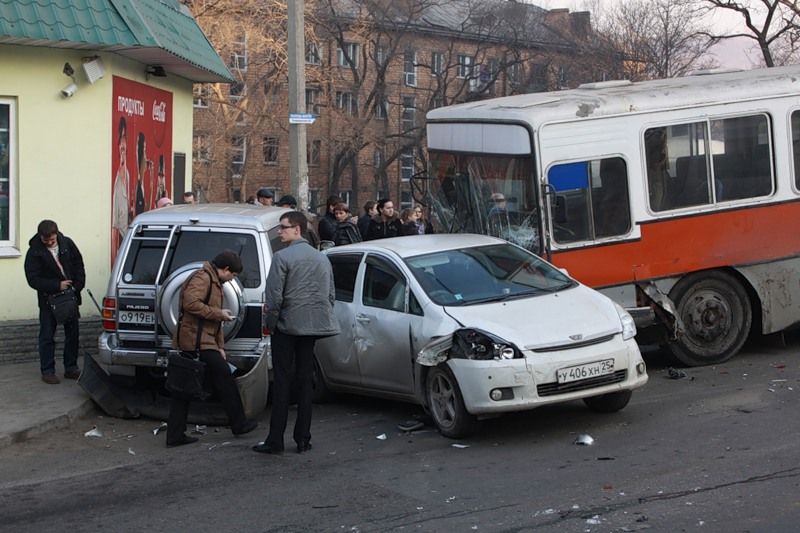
(160, 251)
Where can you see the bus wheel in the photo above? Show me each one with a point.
(716, 315)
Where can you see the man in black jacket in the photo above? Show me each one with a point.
(53, 264)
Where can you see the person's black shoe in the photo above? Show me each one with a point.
(303, 447)
(184, 439)
(247, 427)
(267, 448)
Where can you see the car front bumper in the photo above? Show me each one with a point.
(531, 381)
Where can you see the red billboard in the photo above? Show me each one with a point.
(141, 153)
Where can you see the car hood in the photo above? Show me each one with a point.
(571, 316)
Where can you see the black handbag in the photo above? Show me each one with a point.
(185, 376)
(64, 305)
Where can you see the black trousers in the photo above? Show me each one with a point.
(219, 379)
(292, 363)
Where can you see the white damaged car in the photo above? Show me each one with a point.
(469, 326)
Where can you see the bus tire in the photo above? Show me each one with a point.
(716, 315)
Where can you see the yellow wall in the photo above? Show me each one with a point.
(64, 160)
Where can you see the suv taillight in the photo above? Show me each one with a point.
(109, 314)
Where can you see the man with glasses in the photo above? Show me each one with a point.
(299, 306)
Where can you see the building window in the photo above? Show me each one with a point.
(271, 146)
(200, 150)
(382, 108)
(347, 55)
(437, 63)
(312, 153)
(314, 199)
(347, 102)
(465, 64)
(406, 164)
(515, 74)
(272, 91)
(409, 115)
(437, 101)
(236, 91)
(312, 101)
(378, 158)
(410, 68)
(345, 196)
(238, 155)
(7, 171)
(313, 54)
(380, 56)
(406, 200)
(239, 54)
(200, 93)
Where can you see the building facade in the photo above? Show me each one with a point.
(373, 70)
(70, 74)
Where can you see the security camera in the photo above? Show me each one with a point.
(69, 90)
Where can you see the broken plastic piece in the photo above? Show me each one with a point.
(160, 428)
(584, 440)
(382, 436)
(410, 425)
(676, 373)
(595, 520)
(94, 432)
(457, 445)
(130, 451)
(199, 430)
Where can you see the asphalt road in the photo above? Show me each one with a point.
(715, 451)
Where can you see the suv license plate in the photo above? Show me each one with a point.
(589, 370)
(136, 317)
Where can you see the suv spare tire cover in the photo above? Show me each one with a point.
(169, 299)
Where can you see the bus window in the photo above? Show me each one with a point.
(681, 160)
(742, 158)
(593, 198)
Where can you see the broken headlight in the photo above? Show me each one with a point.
(480, 345)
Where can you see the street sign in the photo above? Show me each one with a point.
(302, 118)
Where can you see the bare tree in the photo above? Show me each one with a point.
(654, 38)
(771, 24)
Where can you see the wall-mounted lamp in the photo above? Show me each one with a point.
(155, 70)
(72, 88)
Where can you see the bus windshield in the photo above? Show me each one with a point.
(486, 194)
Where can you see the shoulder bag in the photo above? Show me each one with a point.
(64, 305)
(185, 371)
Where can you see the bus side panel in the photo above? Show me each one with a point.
(779, 291)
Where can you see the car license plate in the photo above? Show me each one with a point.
(587, 371)
(136, 317)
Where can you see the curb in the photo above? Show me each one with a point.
(58, 422)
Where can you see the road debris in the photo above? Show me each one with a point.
(458, 445)
(131, 452)
(677, 373)
(410, 425)
(583, 440)
(160, 428)
(94, 432)
(595, 520)
(199, 430)
(382, 436)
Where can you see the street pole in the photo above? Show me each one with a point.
(298, 166)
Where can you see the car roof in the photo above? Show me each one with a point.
(413, 245)
(221, 215)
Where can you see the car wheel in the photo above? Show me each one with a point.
(716, 315)
(446, 405)
(609, 403)
(320, 391)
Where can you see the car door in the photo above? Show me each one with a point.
(337, 354)
(384, 321)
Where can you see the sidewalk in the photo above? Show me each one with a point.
(31, 407)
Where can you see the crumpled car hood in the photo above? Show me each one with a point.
(567, 317)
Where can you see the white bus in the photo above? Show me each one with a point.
(678, 198)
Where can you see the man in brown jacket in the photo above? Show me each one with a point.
(200, 331)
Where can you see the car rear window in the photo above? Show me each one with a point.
(143, 260)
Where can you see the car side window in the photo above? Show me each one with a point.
(345, 270)
(413, 305)
(384, 285)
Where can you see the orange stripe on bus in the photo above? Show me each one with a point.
(686, 244)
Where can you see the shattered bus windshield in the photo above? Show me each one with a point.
(487, 194)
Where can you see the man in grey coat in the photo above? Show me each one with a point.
(299, 307)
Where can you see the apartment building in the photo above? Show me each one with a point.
(373, 70)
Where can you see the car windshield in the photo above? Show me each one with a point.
(485, 274)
